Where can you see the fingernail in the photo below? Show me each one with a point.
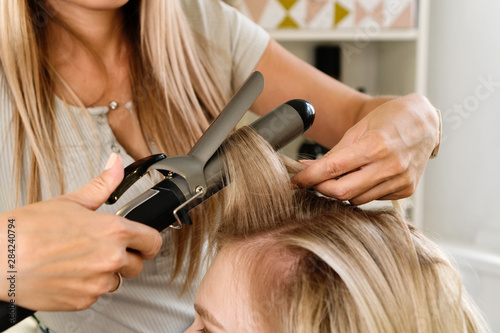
(111, 161)
(307, 162)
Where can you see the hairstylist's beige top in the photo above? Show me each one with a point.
(148, 303)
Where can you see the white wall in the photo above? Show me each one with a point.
(462, 186)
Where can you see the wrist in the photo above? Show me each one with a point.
(371, 104)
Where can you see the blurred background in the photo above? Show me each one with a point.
(448, 50)
(461, 199)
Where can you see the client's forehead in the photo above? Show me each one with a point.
(225, 294)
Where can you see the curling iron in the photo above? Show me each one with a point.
(191, 179)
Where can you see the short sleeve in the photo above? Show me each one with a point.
(240, 43)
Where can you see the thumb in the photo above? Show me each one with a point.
(95, 193)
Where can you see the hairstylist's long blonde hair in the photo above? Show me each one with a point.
(181, 89)
(316, 265)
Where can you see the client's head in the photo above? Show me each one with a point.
(290, 261)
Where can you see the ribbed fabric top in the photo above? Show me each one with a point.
(148, 303)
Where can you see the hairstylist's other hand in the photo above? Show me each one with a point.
(68, 254)
(382, 157)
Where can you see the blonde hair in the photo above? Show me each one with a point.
(173, 82)
(319, 265)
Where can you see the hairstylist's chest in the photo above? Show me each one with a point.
(111, 89)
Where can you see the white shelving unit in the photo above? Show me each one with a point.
(383, 62)
(297, 35)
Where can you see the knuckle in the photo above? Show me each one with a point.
(116, 260)
(99, 184)
(96, 287)
(99, 287)
(84, 303)
(409, 190)
(378, 146)
(356, 202)
(399, 167)
(156, 247)
(407, 185)
(332, 168)
(135, 270)
(343, 193)
(115, 227)
(407, 180)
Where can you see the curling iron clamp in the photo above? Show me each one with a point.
(191, 179)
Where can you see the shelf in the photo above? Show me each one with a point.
(297, 35)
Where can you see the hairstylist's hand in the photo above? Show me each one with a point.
(381, 157)
(67, 254)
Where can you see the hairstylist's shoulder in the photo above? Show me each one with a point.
(208, 20)
(219, 22)
(248, 43)
(230, 33)
(205, 17)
